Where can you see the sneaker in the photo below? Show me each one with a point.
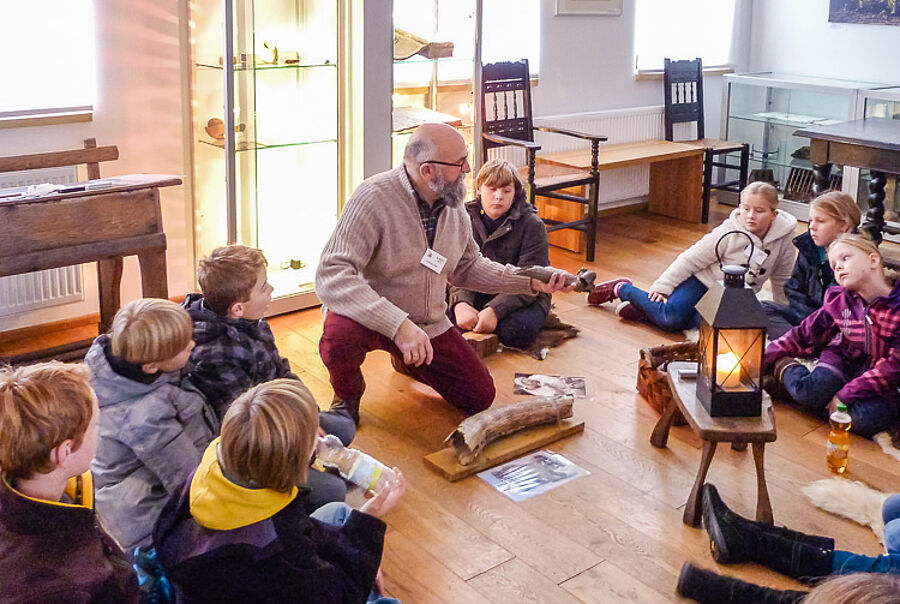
(724, 528)
(605, 292)
(630, 312)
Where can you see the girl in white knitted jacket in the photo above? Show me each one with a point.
(670, 302)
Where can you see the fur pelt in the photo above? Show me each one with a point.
(850, 499)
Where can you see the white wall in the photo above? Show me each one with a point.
(795, 37)
(140, 109)
(587, 64)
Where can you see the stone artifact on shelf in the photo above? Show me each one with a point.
(407, 45)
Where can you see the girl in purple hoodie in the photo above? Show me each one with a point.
(855, 338)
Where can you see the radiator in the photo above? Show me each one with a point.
(621, 126)
(29, 291)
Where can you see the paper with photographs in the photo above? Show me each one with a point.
(533, 474)
(538, 384)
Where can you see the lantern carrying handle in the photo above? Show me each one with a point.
(752, 247)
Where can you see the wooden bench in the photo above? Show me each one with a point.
(101, 225)
(676, 180)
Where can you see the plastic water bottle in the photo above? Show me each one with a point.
(838, 440)
(353, 465)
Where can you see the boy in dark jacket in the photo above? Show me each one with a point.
(507, 230)
(51, 547)
(237, 532)
(235, 348)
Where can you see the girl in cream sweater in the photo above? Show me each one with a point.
(670, 302)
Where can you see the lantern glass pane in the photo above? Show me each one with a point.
(706, 348)
(738, 358)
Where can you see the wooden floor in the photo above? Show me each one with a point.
(613, 536)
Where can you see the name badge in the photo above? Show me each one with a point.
(759, 256)
(434, 261)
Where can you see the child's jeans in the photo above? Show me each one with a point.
(336, 514)
(677, 312)
(813, 390)
(846, 562)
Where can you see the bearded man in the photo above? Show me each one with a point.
(383, 275)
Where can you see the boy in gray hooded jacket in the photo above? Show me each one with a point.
(153, 427)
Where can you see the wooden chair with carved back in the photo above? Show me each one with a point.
(683, 92)
(506, 119)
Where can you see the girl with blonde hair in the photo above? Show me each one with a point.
(855, 338)
(830, 215)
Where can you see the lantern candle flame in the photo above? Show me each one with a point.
(728, 370)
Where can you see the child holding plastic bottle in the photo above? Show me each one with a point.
(855, 338)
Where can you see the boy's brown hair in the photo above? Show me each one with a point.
(268, 435)
(499, 173)
(839, 206)
(150, 330)
(40, 407)
(764, 190)
(228, 275)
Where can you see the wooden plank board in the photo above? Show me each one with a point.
(444, 461)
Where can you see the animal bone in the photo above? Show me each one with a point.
(583, 280)
(475, 432)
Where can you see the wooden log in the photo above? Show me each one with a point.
(474, 432)
(484, 344)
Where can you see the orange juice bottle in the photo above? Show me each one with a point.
(838, 440)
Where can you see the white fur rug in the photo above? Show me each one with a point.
(850, 499)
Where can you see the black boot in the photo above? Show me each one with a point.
(730, 526)
(347, 408)
(733, 538)
(705, 586)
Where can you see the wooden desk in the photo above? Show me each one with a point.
(676, 172)
(85, 226)
(712, 430)
(872, 143)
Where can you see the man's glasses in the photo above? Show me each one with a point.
(447, 163)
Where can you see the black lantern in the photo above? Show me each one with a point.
(732, 342)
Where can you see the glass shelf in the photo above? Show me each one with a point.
(257, 146)
(269, 67)
(785, 119)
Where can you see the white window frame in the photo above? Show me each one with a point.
(51, 75)
(684, 28)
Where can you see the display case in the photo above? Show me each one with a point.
(434, 61)
(765, 109)
(883, 103)
(267, 131)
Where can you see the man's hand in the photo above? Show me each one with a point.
(390, 495)
(414, 344)
(557, 283)
(466, 315)
(657, 297)
(487, 321)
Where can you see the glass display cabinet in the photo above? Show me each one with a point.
(267, 132)
(766, 108)
(434, 60)
(882, 103)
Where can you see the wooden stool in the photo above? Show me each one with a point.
(712, 430)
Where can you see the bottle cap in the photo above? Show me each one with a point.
(841, 407)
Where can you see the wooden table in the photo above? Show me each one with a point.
(712, 430)
(872, 143)
(102, 225)
(676, 172)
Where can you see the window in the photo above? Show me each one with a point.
(683, 29)
(49, 64)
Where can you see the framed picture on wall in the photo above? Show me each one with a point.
(589, 7)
